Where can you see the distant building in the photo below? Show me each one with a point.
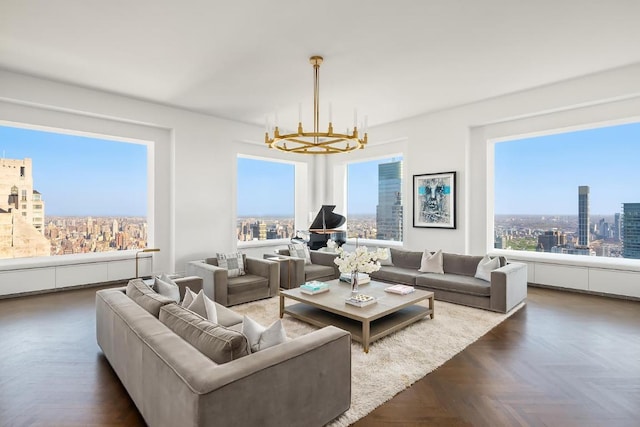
(389, 210)
(631, 231)
(617, 227)
(583, 215)
(550, 239)
(21, 212)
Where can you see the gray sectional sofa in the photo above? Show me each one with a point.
(303, 382)
(508, 286)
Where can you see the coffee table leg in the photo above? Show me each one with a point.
(366, 331)
(431, 307)
(281, 306)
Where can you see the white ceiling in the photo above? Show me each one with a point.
(245, 59)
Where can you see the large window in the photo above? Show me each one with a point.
(266, 201)
(68, 194)
(570, 193)
(374, 199)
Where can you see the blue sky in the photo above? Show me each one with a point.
(541, 175)
(79, 175)
(362, 186)
(265, 188)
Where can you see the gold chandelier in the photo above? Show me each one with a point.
(316, 142)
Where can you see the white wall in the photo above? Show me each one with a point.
(193, 199)
(194, 190)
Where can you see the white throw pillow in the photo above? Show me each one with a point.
(189, 296)
(203, 306)
(388, 260)
(298, 250)
(431, 263)
(486, 266)
(166, 288)
(260, 337)
(233, 263)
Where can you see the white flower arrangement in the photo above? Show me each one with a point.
(361, 260)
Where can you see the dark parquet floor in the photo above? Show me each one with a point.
(563, 360)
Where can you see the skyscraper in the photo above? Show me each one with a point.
(631, 230)
(389, 209)
(617, 227)
(583, 215)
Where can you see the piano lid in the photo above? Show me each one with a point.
(327, 220)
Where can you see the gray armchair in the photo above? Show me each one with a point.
(261, 280)
(321, 268)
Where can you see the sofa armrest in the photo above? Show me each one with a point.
(192, 282)
(322, 359)
(508, 286)
(265, 268)
(326, 258)
(214, 279)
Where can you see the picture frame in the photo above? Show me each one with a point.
(434, 200)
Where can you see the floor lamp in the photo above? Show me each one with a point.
(143, 251)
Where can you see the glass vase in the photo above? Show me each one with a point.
(354, 283)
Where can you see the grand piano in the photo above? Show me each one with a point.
(325, 226)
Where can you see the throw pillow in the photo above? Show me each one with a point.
(260, 337)
(298, 250)
(232, 262)
(486, 266)
(388, 260)
(166, 288)
(189, 296)
(431, 263)
(203, 306)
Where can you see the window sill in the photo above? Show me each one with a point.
(606, 263)
(263, 243)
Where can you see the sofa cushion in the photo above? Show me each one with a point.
(260, 337)
(465, 265)
(168, 288)
(203, 306)
(405, 276)
(246, 283)
(146, 297)
(455, 283)
(485, 267)
(233, 263)
(218, 343)
(431, 263)
(388, 260)
(317, 271)
(406, 259)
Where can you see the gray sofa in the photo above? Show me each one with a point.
(508, 286)
(303, 382)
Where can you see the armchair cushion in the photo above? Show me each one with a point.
(233, 263)
(246, 283)
(300, 251)
(317, 271)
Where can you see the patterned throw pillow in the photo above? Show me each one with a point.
(232, 262)
(300, 251)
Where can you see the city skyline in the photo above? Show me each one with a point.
(79, 175)
(540, 175)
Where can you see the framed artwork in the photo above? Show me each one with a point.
(434, 200)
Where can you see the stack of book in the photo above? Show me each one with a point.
(400, 289)
(360, 300)
(363, 278)
(314, 287)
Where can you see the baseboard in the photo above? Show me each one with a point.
(586, 292)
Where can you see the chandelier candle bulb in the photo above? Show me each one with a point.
(331, 114)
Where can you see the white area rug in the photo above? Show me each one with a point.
(399, 359)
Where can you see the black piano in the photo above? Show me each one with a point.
(325, 226)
